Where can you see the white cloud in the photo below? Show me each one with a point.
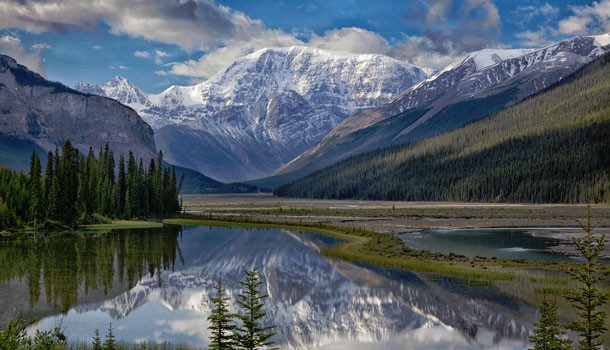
(524, 15)
(589, 19)
(187, 23)
(41, 46)
(159, 55)
(119, 67)
(11, 45)
(536, 38)
(142, 54)
(351, 39)
(217, 59)
(98, 47)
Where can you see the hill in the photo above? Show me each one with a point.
(472, 88)
(553, 147)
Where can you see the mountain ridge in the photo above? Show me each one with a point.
(265, 108)
(462, 92)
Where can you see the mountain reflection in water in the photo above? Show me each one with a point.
(156, 285)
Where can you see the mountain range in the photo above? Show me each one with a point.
(474, 87)
(279, 113)
(263, 109)
(551, 148)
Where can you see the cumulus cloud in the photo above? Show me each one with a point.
(141, 54)
(214, 60)
(535, 38)
(351, 39)
(188, 23)
(449, 29)
(588, 19)
(11, 45)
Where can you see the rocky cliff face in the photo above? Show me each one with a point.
(264, 109)
(471, 88)
(47, 113)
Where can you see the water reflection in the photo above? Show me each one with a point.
(317, 303)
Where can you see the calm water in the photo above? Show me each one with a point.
(156, 284)
(500, 243)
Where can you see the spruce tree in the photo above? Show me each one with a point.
(588, 299)
(96, 344)
(109, 343)
(547, 334)
(121, 188)
(221, 325)
(251, 334)
(36, 193)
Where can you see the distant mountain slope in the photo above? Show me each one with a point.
(554, 147)
(263, 109)
(33, 109)
(471, 88)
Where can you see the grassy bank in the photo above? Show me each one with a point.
(366, 246)
(123, 224)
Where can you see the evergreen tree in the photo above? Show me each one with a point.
(109, 343)
(588, 299)
(36, 192)
(251, 334)
(547, 334)
(96, 344)
(221, 325)
(121, 189)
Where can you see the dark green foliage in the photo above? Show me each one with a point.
(547, 333)
(588, 299)
(75, 188)
(96, 344)
(553, 147)
(15, 337)
(109, 343)
(221, 326)
(251, 334)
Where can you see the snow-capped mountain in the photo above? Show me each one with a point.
(473, 87)
(264, 108)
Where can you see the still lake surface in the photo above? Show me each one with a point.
(155, 285)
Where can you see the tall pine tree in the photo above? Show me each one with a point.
(221, 325)
(251, 334)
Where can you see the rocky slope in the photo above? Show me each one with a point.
(471, 88)
(33, 109)
(264, 109)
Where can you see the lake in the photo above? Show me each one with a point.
(155, 285)
(504, 243)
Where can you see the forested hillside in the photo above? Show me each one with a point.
(553, 147)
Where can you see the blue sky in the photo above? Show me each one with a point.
(158, 43)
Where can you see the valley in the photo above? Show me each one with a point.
(182, 175)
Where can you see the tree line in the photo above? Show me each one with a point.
(553, 147)
(77, 189)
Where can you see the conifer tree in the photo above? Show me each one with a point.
(588, 299)
(221, 325)
(109, 343)
(251, 334)
(36, 194)
(96, 344)
(121, 188)
(547, 334)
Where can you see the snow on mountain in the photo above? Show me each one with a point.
(264, 108)
(496, 78)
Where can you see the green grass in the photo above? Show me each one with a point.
(123, 224)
